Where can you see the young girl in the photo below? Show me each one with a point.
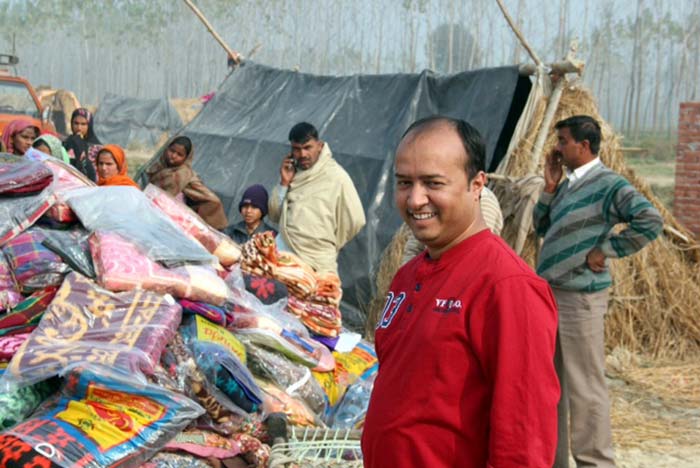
(112, 168)
(173, 173)
(49, 144)
(18, 136)
(83, 144)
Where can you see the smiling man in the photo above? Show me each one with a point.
(466, 340)
(315, 204)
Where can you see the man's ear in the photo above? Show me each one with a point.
(477, 184)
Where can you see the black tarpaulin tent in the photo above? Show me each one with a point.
(240, 138)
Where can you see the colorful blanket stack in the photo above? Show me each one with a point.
(312, 297)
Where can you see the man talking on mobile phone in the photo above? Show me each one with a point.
(315, 204)
(576, 218)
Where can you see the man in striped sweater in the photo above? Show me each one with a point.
(576, 219)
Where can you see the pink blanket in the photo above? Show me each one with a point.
(120, 266)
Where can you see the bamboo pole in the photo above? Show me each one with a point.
(235, 56)
(544, 127)
(518, 34)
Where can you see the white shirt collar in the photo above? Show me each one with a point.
(578, 173)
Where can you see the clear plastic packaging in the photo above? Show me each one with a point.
(351, 366)
(85, 323)
(350, 412)
(20, 176)
(278, 401)
(294, 378)
(276, 329)
(217, 243)
(9, 294)
(104, 417)
(128, 212)
(217, 353)
(73, 248)
(33, 266)
(121, 266)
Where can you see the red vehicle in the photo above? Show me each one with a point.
(18, 99)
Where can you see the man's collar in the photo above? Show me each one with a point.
(579, 172)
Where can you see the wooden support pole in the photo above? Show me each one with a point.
(519, 34)
(556, 68)
(544, 127)
(235, 56)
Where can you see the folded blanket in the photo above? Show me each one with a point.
(33, 266)
(85, 323)
(20, 176)
(9, 294)
(121, 266)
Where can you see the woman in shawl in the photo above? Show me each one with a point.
(18, 136)
(112, 168)
(83, 144)
(173, 173)
(51, 145)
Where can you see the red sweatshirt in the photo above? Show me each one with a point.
(466, 364)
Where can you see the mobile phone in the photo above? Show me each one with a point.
(295, 163)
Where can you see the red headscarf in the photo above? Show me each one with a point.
(121, 178)
(12, 129)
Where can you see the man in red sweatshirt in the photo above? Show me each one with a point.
(466, 340)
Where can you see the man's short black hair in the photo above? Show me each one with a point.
(471, 140)
(582, 127)
(303, 132)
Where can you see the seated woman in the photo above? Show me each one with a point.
(83, 144)
(51, 145)
(18, 136)
(173, 173)
(112, 168)
(253, 208)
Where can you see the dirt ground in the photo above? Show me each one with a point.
(655, 411)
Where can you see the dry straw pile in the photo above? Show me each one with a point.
(655, 295)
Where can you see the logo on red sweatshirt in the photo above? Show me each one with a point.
(447, 306)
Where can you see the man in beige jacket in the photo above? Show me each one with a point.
(315, 204)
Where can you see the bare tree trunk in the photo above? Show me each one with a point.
(640, 73)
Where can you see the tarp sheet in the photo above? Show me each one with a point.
(240, 138)
(135, 122)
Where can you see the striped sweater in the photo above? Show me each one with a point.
(574, 220)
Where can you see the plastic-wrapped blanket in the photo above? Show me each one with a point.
(27, 314)
(126, 211)
(34, 266)
(221, 358)
(222, 414)
(272, 330)
(294, 378)
(220, 245)
(85, 323)
(20, 176)
(73, 248)
(351, 367)
(19, 404)
(121, 266)
(321, 319)
(105, 418)
(17, 214)
(277, 401)
(65, 179)
(9, 294)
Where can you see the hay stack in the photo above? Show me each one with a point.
(655, 293)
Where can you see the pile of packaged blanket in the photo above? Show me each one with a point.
(128, 337)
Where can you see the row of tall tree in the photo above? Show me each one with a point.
(642, 56)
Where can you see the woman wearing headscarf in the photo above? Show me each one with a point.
(173, 173)
(83, 144)
(49, 144)
(112, 168)
(18, 136)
